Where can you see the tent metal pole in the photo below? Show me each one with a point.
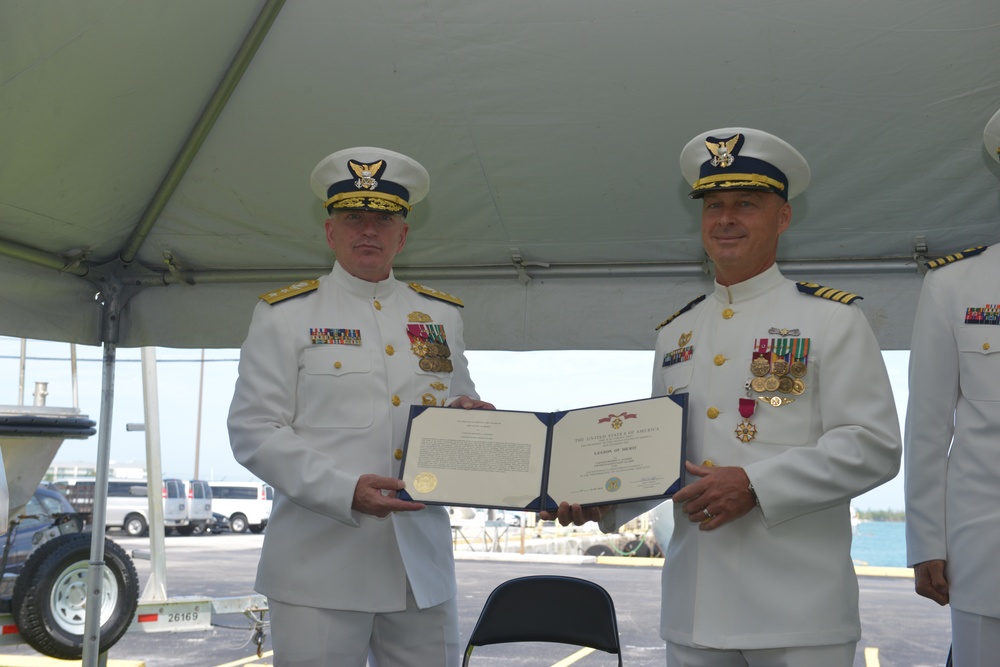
(500, 271)
(265, 19)
(95, 570)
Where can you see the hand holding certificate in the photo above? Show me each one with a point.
(531, 461)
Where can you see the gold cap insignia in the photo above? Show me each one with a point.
(366, 174)
(722, 152)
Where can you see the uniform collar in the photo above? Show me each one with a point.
(748, 289)
(363, 288)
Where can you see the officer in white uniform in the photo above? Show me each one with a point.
(327, 375)
(953, 444)
(790, 416)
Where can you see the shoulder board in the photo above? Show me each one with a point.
(681, 311)
(434, 294)
(830, 293)
(949, 259)
(297, 289)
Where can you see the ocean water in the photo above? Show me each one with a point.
(879, 544)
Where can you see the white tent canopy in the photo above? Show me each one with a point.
(155, 156)
(158, 153)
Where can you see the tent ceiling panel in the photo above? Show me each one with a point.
(551, 132)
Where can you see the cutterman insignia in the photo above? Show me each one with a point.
(949, 259)
(827, 293)
(681, 311)
(434, 294)
(297, 289)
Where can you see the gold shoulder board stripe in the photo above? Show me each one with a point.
(297, 289)
(948, 259)
(830, 293)
(434, 294)
(681, 311)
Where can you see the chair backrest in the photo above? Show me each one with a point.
(558, 609)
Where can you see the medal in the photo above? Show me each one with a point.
(760, 366)
(745, 431)
(757, 384)
(798, 386)
(785, 385)
(779, 363)
(771, 383)
(800, 355)
(429, 342)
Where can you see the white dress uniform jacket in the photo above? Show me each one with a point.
(310, 418)
(953, 501)
(781, 575)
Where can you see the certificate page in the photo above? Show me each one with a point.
(615, 453)
(480, 458)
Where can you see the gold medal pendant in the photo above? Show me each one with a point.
(745, 431)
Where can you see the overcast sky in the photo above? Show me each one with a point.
(538, 381)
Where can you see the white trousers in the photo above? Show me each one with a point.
(975, 640)
(310, 637)
(836, 655)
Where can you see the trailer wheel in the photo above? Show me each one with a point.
(50, 596)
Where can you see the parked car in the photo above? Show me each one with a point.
(45, 559)
(219, 523)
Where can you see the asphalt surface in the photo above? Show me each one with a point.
(899, 628)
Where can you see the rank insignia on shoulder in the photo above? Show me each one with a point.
(950, 259)
(681, 312)
(435, 294)
(837, 295)
(277, 295)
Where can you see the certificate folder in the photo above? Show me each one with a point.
(533, 461)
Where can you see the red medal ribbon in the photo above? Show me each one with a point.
(747, 406)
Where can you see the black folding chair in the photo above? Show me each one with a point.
(563, 610)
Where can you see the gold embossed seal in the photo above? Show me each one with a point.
(425, 482)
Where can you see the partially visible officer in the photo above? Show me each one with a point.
(327, 375)
(790, 416)
(953, 444)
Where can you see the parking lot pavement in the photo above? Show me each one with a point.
(901, 629)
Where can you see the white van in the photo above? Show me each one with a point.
(199, 507)
(247, 504)
(128, 506)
